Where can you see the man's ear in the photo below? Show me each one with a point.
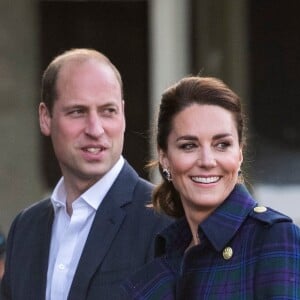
(241, 157)
(123, 108)
(45, 119)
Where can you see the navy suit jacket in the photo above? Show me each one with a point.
(119, 242)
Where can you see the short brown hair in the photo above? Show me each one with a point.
(50, 75)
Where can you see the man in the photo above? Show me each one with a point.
(2, 254)
(96, 229)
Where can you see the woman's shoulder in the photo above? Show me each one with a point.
(155, 280)
(268, 215)
(274, 225)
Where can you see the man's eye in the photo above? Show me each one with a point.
(109, 111)
(76, 112)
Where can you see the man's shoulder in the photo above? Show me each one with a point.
(36, 209)
(141, 194)
(144, 185)
(129, 182)
(38, 205)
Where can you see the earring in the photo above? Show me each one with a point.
(239, 172)
(167, 174)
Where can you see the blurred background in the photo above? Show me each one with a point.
(252, 45)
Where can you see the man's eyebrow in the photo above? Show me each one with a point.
(72, 106)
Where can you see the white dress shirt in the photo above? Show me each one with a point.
(69, 234)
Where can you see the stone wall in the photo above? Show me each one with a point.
(20, 182)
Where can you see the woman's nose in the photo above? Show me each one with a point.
(206, 158)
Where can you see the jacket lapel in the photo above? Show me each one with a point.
(107, 222)
(40, 255)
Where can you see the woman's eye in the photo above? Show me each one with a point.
(187, 146)
(223, 145)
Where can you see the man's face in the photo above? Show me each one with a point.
(87, 123)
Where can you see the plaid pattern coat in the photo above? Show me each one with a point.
(246, 252)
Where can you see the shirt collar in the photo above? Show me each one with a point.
(218, 228)
(95, 194)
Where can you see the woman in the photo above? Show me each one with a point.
(223, 245)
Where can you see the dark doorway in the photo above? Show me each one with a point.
(274, 42)
(119, 29)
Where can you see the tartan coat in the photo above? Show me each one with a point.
(246, 252)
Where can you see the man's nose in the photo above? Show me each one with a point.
(94, 126)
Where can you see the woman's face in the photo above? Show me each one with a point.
(203, 157)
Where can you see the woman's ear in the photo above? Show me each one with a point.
(45, 119)
(163, 160)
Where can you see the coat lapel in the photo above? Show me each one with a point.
(108, 219)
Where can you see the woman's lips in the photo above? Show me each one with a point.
(206, 179)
